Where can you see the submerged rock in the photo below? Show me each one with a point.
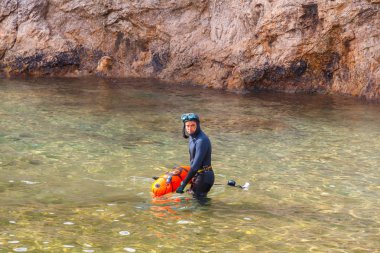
(291, 46)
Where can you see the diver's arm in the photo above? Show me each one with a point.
(200, 153)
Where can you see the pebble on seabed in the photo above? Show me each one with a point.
(28, 182)
(129, 249)
(184, 222)
(124, 233)
(68, 223)
(20, 249)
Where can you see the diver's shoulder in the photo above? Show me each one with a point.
(203, 136)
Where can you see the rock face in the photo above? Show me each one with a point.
(292, 46)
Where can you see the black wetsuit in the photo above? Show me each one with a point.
(200, 158)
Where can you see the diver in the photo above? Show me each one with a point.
(201, 174)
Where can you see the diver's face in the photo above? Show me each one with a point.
(191, 127)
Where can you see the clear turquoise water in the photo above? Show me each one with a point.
(77, 157)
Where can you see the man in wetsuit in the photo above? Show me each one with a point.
(201, 174)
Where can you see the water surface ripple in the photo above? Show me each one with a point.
(77, 157)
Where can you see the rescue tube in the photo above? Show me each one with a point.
(170, 181)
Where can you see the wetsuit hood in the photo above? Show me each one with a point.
(197, 131)
(190, 117)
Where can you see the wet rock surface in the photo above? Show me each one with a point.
(291, 46)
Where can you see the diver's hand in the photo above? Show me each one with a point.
(180, 188)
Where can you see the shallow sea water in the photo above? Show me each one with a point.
(77, 157)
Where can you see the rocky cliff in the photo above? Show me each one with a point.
(292, 46)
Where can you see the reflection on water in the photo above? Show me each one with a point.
(77, 157)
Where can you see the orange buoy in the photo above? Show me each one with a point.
(170, 181)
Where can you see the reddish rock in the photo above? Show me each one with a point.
(292, 46)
